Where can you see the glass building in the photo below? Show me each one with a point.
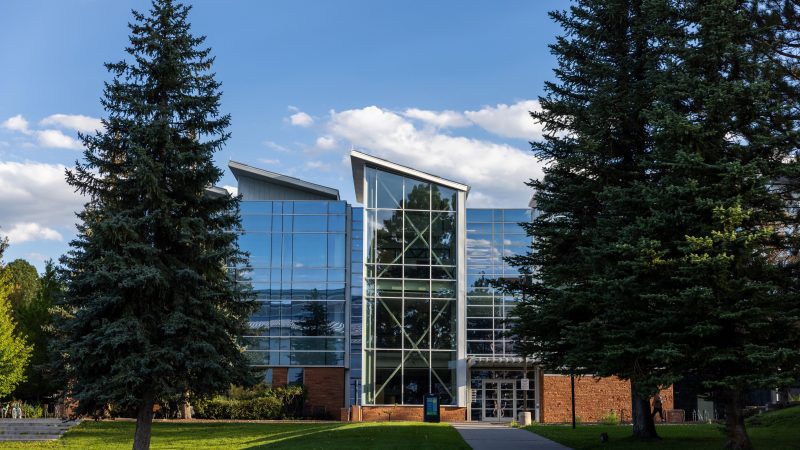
(383, 303)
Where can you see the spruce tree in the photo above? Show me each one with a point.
(14, 349)
(150, 312)
(722, 212)
(583, 312)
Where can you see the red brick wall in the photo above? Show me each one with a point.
(280, 376)
(409, 413)
(325, 387)
(594, 398)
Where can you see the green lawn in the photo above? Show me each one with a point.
(351, 436)
(772, 431)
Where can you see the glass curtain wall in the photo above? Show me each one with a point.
(410, 290)
(356, 295)
(491, 235)
(297, 270)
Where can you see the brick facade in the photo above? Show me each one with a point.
(411, 413)
(594, 398)
(325, 387)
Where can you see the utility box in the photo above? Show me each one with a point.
(430, 412)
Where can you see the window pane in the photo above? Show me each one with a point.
(336, 223)
(416, 377)
(417, 288)
(387, 377)
(417, 194)
(443, 324)
(416, 322)
(443, 199)
(371, 187)
(309, 207)
(309, 250)
(388, 316)
(480, 215)
(390, 190)
(336, 250)
(295, 376)
(257, 244)
(417, 237)
(443, 238)
(388, 237)
(443, 376)
(310, 223)
(256, 223)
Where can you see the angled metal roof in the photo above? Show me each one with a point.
(241, 169)
(216, 191)
(359, 160)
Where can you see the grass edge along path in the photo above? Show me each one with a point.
(229, 435)
(776, 430)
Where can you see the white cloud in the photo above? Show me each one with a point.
(496, 171)
(439, 119)
(57, 139)
(318, 165)
(326, 143)
(16, 123)
(32, 192)
(301, 119)
(275, 146)
(77, 122)
(270, 162)
(512, 121)
(31, 231)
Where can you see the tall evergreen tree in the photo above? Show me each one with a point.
(725, 136)
(14, 349)
(584, 310)
(150, 312)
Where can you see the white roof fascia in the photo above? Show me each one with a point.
(238, 169)
(359, 160)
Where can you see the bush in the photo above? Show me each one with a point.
(256, 403)
(610, 419)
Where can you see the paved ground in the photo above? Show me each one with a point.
(488, 436)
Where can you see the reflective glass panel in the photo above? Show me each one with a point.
(390, 190)
(417, 194)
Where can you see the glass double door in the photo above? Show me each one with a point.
(500, 403)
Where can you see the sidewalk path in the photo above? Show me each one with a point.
(488, 436)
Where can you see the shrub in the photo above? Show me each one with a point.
(259, 402)
(610, 419)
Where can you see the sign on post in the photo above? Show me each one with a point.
(524, 384)
(431, 409)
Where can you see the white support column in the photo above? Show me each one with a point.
(461, 301)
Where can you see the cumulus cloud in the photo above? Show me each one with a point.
(57, 139)
(16, 123)
(496, 171)
(326, 143)
(301, 119)
(512, 121)
(77, 122)
(31, 231)
(53, 138)
(439, 119)
(36, 193)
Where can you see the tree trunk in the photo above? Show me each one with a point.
(643, 425)
(144, 424)
(736, 434)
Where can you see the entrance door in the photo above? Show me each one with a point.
(499, 400)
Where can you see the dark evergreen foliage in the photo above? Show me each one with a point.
(664, 245)
(151, 312)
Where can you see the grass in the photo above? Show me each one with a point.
(779, 430)
(395, 435)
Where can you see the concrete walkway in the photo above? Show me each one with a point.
(489, 436)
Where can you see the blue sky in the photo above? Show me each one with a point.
(443, 86)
